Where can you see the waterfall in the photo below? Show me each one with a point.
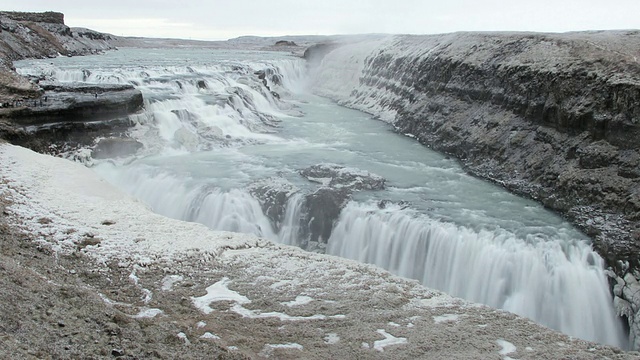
(207, 127)
(558, 282)
(289, 233)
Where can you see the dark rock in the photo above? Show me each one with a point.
(323, 208)
(117, 352)
(273, 194)
(333, 175)
(77, 103)
(115, 147)
(201, 84)
(44, 17)
(285, 43)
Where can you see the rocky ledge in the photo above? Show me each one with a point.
(50, 117)
(553, 117)
(319, 206)
(71, 115)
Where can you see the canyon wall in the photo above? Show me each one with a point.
(553, 117)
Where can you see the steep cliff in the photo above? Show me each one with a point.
(554, 117)
(40, 115)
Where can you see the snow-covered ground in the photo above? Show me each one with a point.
(252, 296)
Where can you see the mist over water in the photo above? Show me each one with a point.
(213, 125)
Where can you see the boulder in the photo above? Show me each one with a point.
(338, 176)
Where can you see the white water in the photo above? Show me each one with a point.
(204, 146)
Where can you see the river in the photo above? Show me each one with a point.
(218, 121)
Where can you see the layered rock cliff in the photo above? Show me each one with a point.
(37, 114)
(554, 117)
(40, 35)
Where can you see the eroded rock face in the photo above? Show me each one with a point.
(273, 194)
(319, 208)
(324, 205)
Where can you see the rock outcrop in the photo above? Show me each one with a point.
(553, 117)
(41, 35)
(50, 117)
(319, 206)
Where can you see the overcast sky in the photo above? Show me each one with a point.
(223, 19)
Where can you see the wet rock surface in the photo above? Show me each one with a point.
(337, 176)
(273, 194)
(320, 206)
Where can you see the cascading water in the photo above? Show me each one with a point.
(212, 127)
(537, 277)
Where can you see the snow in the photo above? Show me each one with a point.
(218, 292)
(256, 314)
(299, 301)
(446, 318)
(75, 198)
(182, 336)
(146, 313)
(169, 281)
(209, 336)
(201, 324)
(388, 340)
(507, 347)
(331, 338)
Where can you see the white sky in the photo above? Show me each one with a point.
(223, 19)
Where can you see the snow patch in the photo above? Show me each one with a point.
(268, 349)
(331, 338)
(507, 347)
(182, 336)
(209, 336)
(388, 340)
(300, 300)
(255, 314)
(146, 313)
(218, 292)
(446, 318)
(169, 281)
